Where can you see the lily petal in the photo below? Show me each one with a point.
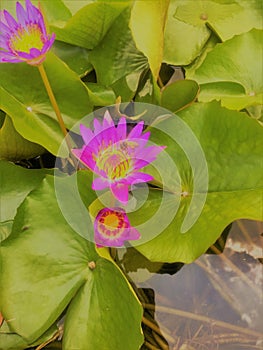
(138, 177)
(21, 14)
(133, 234)
(99, 184)
(86, 133)
(136, 131)
(120, 191)
(10, 20)
(122, 129)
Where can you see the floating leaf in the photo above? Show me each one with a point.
(226, 18)
(28, 104)
(77, 58)
(55, 12)
(18, 180)
(179, 94)
(126, 86)
(12, 341)
(117, 48)
(51, 264)
(15, 147)
(148, 34)
(5, 229)
(230, 140)
(232, 95)
(55, 266)
(182, 41)
(256, 112)
(104, 314)
(76, 5)
(234, 61)
(89, 25)
(101, 95)
(210, 44)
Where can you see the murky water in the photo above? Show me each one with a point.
(214, 303)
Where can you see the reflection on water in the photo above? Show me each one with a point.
(213, 303)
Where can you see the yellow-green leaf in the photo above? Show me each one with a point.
(147, 25)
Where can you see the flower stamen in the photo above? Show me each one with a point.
(24, 40)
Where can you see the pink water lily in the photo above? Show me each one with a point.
(112, 228)
(116, 156)
(24, 40)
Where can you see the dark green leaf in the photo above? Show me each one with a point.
(15, 147)
(105, 314)
(51, 263)
(100, 95)
(89, 25)
(179, 94)
(16, 183)
(77, 58)
(28, 104)
(117, 56)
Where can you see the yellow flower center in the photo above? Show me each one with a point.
(24, 40)
(111, 220)
(115, 161)
(112, 224)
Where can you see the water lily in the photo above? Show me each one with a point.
(116, 156)
(112, 228)
(24, 40)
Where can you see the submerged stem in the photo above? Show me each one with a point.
(202, 318)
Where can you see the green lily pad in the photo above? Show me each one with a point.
(88, 26)
(55, 12)
(148, 34)
(101, 95)
(210, 44)
(105, 314)
(231, 95)
(256, 112)
(15, 147)
(216, 178)
(76, 5)
(182, 41)
(126, 86)
(226, 18)
(12, 341)
(46, 274)
(52, 270)
(77, 58)
(19, 181)
(16, 184)
(179, 94)
(117, 48)
(5, 229)
(234, 61)
(28, 104)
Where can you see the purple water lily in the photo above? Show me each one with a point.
(115, 156)
(24, 40)
(112, 228)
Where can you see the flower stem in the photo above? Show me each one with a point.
(55, 105)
